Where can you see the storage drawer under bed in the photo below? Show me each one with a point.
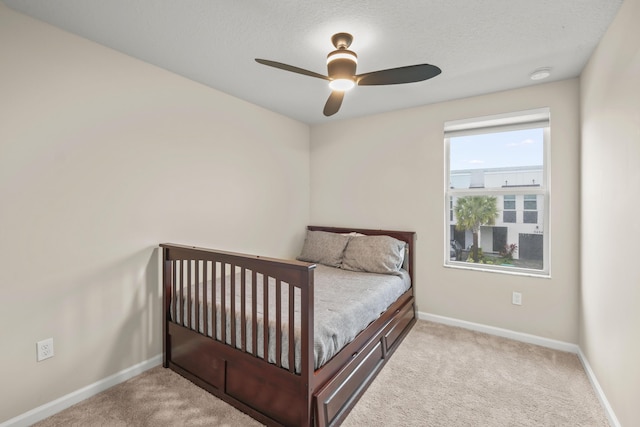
(398, 325)
(335, 398)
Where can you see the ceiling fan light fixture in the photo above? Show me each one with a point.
(341, 67)
(342, 84)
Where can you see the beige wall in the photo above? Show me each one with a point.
(387, 171)
(102, 157)
(610, 297)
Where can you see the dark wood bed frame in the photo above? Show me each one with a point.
(268, 392)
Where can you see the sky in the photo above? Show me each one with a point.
(495, 150)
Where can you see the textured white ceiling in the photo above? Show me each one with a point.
(481, 46)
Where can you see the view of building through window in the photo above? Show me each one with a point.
(497, 196)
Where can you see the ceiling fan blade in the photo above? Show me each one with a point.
(393, 76)
(291, 68)
(333, 103)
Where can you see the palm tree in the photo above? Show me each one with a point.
(474, 211)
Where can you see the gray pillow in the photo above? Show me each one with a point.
(324, 248)
(374, 254)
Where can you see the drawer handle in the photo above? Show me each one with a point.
(397, 311)
(353, 356)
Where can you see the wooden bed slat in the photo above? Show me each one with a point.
(205, 296)
(278, 326)
(214, 296)
(232, 295)
(292, 348)
(189, 300)
(254, 314)
(243, 310)
(265, 319)
(181, 302)
(176, 298)
(197, 303)
(223, 302)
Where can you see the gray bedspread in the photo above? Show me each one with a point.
(345, 302)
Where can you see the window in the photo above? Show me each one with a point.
(509, 202)
(509, 216)
(530, 214)
(509, 208)
(529, 217)
(497, 192)
(530, 202)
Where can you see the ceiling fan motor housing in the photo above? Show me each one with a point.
(341, 64)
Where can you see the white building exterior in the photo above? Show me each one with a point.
(520, 219)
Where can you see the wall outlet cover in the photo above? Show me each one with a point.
(44, 349)
(516, 299)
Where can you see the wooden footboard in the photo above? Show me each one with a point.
(229, 354)
(202, 341)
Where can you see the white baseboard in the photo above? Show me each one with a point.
(53, 407)
(613, 420)
(532, 339)
(500, 332)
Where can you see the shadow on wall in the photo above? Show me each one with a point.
(115, 314)
(140, 333)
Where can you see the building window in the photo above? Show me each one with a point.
(509, 202)
(509, 208)
(530, 213)
(530, 202)
(497, 192)
(509, 216)
(530, 217)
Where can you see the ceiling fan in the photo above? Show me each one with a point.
(341, 67)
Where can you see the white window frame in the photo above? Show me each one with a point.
(529, 119)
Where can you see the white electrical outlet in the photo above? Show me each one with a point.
(516, 298)
(44, 349)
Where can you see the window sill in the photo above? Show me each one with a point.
(460, 265)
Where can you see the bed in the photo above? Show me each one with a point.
(289, 342)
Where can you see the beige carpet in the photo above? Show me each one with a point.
(440, 376)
